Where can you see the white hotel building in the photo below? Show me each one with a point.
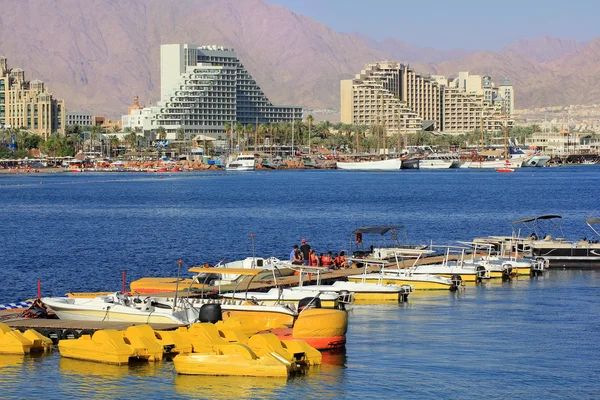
(202, 88)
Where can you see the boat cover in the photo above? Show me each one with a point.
(519, 221)
(376, 230)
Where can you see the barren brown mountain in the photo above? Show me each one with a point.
(97, 54)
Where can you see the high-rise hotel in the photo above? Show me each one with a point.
(28, 105)
(202, 88)
(394, 95)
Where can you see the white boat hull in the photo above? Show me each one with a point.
(435, 164)
(381, 165)
(494, 164)
(537, 161)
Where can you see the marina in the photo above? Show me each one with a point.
(465, 316)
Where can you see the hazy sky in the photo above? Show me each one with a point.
(467, 24)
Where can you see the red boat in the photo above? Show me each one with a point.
(176, 169)
(505, 169)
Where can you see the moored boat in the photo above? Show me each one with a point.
(391, 164)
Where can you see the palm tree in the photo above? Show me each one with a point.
(114, 142)
(131, 139)
(180, 139)
(228, 133)
(239, 132)
(162, 133)
(116, 129)
(248, 129)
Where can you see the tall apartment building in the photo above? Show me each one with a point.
(202, 88)
(28, 105)
(390, 94)
(459, 105)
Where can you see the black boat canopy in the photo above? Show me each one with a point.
(593, 221)
(376, 230)
(525, 220)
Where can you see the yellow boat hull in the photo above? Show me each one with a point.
(230, 365)
(417, 284)
(373, 298)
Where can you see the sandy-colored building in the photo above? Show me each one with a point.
(390, 92)
(28, 105)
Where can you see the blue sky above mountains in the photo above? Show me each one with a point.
(464, 24)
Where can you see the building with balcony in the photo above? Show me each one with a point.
(202, 88)
(564, 143)
(28, 105)
(403, 100)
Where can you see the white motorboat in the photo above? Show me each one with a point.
(288, 295)
(439, 161)
(391, 164)
(404, 276)
(121, 307)
(243, 162)
(362, 292)
(453, 265)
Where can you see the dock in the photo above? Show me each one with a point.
(58, 329)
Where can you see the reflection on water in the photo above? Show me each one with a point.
(225, 387)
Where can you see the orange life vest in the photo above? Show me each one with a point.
(326, 261)
(314, 260)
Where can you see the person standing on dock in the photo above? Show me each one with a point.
(305, 249)
(296, 256)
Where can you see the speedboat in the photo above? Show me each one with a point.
(243, 162)
(120, 307)
(453, 266)
(404, 276)
(362, 292)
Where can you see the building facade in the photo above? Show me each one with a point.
(28, 105)
(389, 91)
(81, 118)
(203, 88)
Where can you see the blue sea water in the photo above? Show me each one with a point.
(531, 338)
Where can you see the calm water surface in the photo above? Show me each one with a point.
(533, 338)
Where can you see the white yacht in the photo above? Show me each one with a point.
(243, 162)
(392, 164)
(439, 161)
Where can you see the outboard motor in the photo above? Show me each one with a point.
(309, 302)
(507, 271)
(344, 298)
(456, 282)
(210, 313)
(481, 273)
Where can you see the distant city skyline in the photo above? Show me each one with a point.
(461, 24)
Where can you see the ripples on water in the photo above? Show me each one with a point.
(532, 338)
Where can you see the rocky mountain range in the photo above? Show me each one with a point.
(98, 54)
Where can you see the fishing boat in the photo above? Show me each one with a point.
(391, 164)
(404, 276)
(243, 162)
